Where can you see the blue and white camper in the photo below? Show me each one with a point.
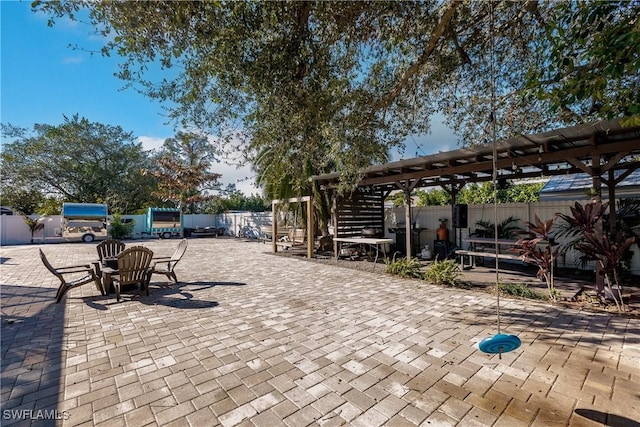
(84, 221)
(164, 222)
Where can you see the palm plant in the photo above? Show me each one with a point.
(506, 229)
(33, 224)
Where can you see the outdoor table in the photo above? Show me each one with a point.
(370, 241)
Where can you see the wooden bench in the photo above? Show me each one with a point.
(470, 255)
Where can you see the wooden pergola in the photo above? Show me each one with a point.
(598, 149)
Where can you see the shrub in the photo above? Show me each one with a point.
(404, 267)
(119, 229)
(521, 290)
(445, 272)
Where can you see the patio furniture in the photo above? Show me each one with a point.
(108, 250)
(378, 243)
(485, 252)
(166, 265)
(63, 272)
(133, 269)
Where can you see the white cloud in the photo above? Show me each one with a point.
(72, 60)
(439, 139)
(242, 177)
(151, 142)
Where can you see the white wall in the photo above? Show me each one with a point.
(428, 216)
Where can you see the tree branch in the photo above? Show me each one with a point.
(440, 30)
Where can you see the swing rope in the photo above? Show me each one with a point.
(500, 343)
(492, 118)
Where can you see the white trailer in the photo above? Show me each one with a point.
(84, 221)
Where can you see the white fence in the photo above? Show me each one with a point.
(14, 231)
(429, 217)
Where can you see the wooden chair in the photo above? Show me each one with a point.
(166, 265)
(133, 268)
(108, 249)
(62, 272)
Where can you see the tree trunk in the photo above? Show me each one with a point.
(323, 209)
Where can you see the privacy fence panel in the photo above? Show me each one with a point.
(364, 208)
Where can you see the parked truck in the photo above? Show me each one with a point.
(164, 222)
(84, 221)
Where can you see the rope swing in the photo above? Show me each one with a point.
(499, 343)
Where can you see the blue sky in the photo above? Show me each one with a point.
(42, 79)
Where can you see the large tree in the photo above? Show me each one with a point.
(305, 87)
(77, 161)
(183, 171)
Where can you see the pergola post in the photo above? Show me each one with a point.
(407, 220)
(597, 186)
(310, 228)
(274, 219)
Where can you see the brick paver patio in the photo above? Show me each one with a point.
(251, 339)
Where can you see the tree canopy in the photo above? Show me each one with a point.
(77, 161)
(306, 87)
(474, 193)
(87, 162)
(182, 171)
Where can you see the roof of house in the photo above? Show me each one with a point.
(573, 186)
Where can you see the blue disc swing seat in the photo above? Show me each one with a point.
(499, 343)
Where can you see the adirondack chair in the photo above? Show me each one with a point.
(133, 268)
(166, 265)
(86, 270)
(108, 250)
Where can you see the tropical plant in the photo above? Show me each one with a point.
(443, 272)
(33, 224)
(583, 219)
(540, 250)
(607, 253)
(506, 229)
(594, 238)
(406, 267)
